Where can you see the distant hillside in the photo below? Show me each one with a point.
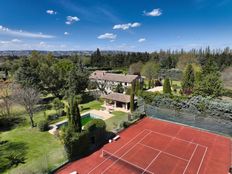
(55, 53)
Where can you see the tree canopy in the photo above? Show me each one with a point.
(188, 80)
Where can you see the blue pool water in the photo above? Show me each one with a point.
(84, 119)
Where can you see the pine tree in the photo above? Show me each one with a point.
(74, 116)
(167, 86)
(96, 58)
(209, 83)
(188, 80)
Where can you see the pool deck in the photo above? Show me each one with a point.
(104, 114)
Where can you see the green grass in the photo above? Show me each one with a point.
(114, 122)
(175, 82)
(42, 148)
(38, 144)
(84, 108)
(91, 105)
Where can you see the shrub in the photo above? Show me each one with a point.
(167, 87)
(76, 144)
(43, 125)
(52, 117)
(126, 124)
(95, 123)
(138, 115)
(97, 130)
(158, 83)
(149, 96)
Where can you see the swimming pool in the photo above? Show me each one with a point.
(85, 118)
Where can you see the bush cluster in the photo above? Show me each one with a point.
(97, 131)
(197, 104)
(78, 144)
(43, 125)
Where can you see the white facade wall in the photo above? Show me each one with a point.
(110, 85)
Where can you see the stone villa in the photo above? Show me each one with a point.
(109, 81)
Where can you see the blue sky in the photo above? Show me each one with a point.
(132, 25)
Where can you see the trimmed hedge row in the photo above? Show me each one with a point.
(79, 144)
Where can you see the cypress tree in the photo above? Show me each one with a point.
(167, 86)
(137, 87)
(188, 80)
(132, 97)
(74, 116)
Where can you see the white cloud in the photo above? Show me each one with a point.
(42, 43)
(10, 41)
(66, 33)
(16, 40)
(71, 19)
(136, 24)
(20, 33)
(127, 26)
(142, 40)
(154, 12)
(109, 36)
(4, 42)
(51, 12)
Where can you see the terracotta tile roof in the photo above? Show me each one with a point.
(103, 75)
(117, 97)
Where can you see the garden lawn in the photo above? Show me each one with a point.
(43, 150)
(114, 122)
(91, 105)
(38, 145)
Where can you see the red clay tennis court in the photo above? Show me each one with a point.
(157, 147)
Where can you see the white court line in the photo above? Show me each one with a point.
(202, 160)
(190, 159)
(164, 152)
(127, 162)
(125, 153)
(176, 138)
(117, 150)
(151, 162)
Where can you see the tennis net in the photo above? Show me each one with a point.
(124, 163)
